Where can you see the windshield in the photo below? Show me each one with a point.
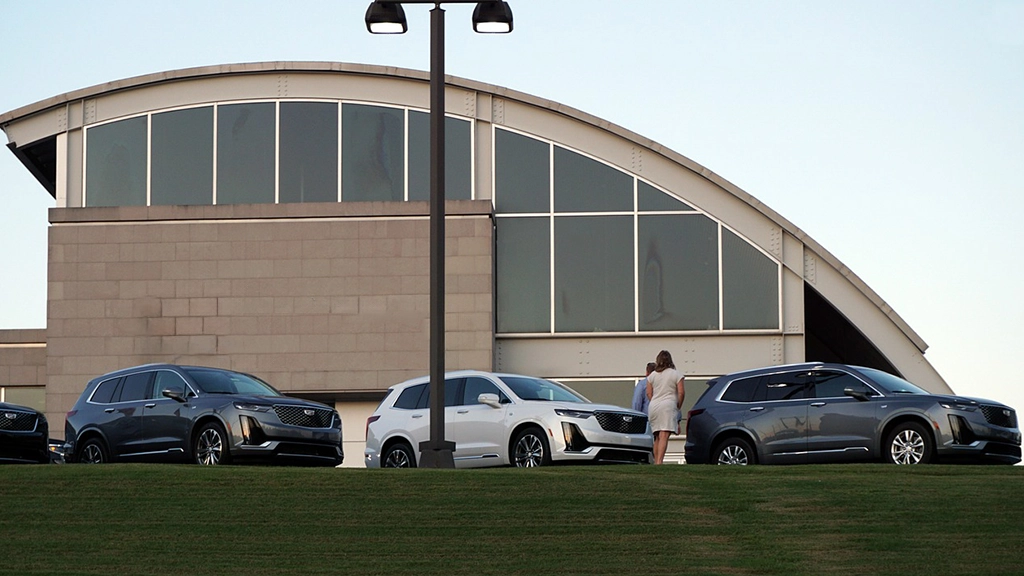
(891, 384)
(538, 389)
(223, 382)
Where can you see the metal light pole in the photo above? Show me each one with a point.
(389, 18)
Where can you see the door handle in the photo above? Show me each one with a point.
(817, 404)
(417, 415)
(151, 405)
(109, 410)
(757, 408)
(463, 411)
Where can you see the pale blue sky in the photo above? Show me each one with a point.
(890, 132)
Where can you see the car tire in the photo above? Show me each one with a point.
(210, 447)
(530, 449)
(733, 451)
(907, 444)
(398, 455)
(93, 452)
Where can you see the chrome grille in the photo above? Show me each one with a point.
(999, 416)
(17, 421)
(621, 423)
(304, 416)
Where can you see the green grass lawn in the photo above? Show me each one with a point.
(853, 519)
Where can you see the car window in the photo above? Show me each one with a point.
(476, 386)
(787, 386)
(742, 390)
(225, 382)
(829, 384)
(410, 397)
(891, 384)
(136, 387)
(539, 389)
(167, 380)
(104, 393)
(451, 394)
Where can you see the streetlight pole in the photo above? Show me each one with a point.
(387, 16)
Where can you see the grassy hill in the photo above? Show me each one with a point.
(853, 519)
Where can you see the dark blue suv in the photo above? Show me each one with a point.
(820, 413)
(170, 413)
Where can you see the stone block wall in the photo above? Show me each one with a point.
(315, 298)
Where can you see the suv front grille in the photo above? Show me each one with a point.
(17, 421)
(999, 416)
(303, 416)
(621, 423)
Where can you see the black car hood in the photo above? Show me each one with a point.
(285, 400)
(966, 400)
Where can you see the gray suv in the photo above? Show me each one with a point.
(822, 413)
(170, 413)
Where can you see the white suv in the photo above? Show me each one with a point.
(505, 419)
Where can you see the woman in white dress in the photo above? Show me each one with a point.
(665, 391)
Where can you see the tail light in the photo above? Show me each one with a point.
(689, 418)
(71, 413)
(369, 421)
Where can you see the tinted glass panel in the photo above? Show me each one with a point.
(137, 387)
(750, 285)
(245, 153)
(523, 261)
(834, 384)
(182, 157)
(741, 390)
(166, 380)
(309, 152)
(538, 389)
(678, 272)
(586, 185)
(104, 393)
(214, 381)
(594, 274)
(116, 164)
(30, 396)
(451, 394)
(477, 386)
(788, 386)
(372, 148)
(410, 397)
(522, 172)
(650, 198)
(457, 158)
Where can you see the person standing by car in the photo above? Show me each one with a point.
(640, 401)
(665, 392)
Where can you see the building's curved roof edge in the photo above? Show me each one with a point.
(393, 71)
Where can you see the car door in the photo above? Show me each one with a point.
(841, 428)
(418, 426)
(777, 416)
(165, 421)
(478, 429)
(124, 431)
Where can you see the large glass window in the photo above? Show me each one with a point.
(678, 272)
(457, 158)
(593, 273)
(523, 261)
(650, 198)
(750, 285)
(116, 163)
(246, 135)
(182, 157)
(372, 149)
(586, 185)
(309, 152)
(522, 168)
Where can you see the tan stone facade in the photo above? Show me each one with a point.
(326, 300)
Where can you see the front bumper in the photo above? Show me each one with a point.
(23, 447)
(584, 440)
(259, 440)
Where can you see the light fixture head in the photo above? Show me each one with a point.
(492, 18)
(386, 18)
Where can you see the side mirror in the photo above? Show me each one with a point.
(489, 399)
(174, 395)
(858, 394)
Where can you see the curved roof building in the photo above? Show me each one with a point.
(271, 218)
